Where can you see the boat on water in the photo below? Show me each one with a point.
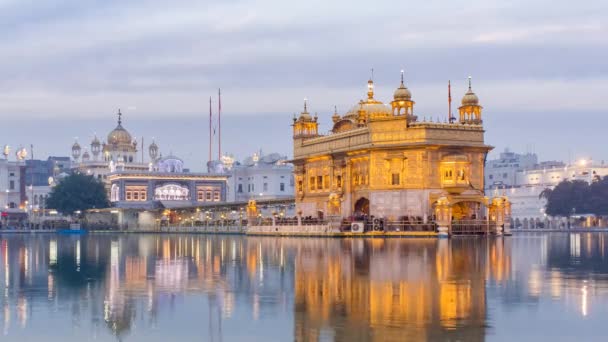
(73, 229)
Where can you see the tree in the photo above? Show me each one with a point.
(568, 197)
(77, 192)
(598, 197)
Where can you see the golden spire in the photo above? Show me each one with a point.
(336, 117)
(370, 86)
(370, 90)
(402, 77)
(469, 82)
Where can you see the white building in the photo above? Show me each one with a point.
(501, 172)
(260, 177)
(11, 187)
(528, 208)
(119, 152)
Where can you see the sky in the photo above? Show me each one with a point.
(538, 66)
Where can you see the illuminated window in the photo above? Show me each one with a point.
(200, 195)
(311, 184)
(319, 182)
(135, 196)
(128, 195)
(216, 196)
(208, 196)
(339, 181)
(326, 182)
(300, 186)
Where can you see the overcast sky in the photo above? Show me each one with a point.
(539, 67)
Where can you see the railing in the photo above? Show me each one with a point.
(381, 225)
(473, 227)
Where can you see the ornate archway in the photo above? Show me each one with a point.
(362, 206)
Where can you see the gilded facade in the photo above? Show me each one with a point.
(382, 160)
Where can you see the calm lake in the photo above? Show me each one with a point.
(104, 287)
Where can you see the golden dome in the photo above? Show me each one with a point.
(305, 116)
(371, 108)
(402, 93)
(119, 135)
(470, 98)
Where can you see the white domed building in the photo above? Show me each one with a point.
(138, 183)
(118, 153)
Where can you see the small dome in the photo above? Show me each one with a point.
(402, 93)
(85, 155)
(76, 146)
(470, 99)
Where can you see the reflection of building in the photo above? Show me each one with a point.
(383, 160)
(369, 290)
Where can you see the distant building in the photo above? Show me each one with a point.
(502, 172)
(118, 152)
(165, 185)
(37, 172)
(524, 191)
(261, 177)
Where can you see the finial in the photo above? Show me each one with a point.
(402, 76)
(372, 78)
(305, 105)
(335, 109)
(119, 117)
(469, 82)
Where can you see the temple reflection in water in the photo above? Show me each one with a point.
(287, 288)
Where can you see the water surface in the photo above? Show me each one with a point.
(106, 287)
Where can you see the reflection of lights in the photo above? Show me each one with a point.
(556, 284)
(78, 255)
(575, 245)
(584, 300)
(535, 282)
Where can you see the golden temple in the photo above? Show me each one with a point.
(382, 161)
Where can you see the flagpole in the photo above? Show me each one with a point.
(449, 102)
(219, 124)
(210, 131)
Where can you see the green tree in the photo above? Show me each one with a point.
(598, 197)
(77, 192)
(567, 198)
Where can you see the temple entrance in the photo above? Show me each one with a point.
(361, 207)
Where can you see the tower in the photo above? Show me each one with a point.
(76, 150)
(402, 103)
(153, 151)
(305, 126)
(470, 110)
(95, 147)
